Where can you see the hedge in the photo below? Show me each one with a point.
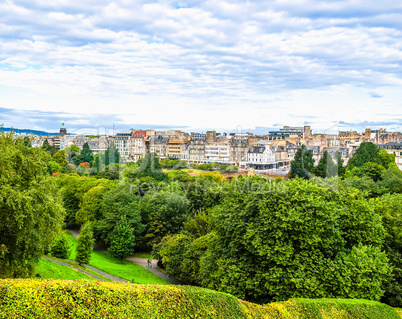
(30, 298)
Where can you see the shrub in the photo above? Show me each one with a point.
(61, 248)
(85, 299)
(84, 246)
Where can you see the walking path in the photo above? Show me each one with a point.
(143, 262)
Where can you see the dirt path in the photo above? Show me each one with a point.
(143, 262)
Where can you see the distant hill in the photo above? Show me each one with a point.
(28, 131)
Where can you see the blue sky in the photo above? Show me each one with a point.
(195, 65)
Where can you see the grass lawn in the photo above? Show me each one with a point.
(50, 270)
(186, 170)
(192, 171)
(126, 270)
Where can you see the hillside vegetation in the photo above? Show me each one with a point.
(86, 299)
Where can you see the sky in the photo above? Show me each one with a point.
(200, 65)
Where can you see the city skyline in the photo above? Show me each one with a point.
(190, 66)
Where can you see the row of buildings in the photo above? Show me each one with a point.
(274, 150)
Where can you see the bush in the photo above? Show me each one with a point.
(85, 299)
(84, 247)
(61, 248)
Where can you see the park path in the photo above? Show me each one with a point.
(75, 268)
(143, 262)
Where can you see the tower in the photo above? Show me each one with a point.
(63, 130)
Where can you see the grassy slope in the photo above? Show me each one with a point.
(113, 266)
(51, 270)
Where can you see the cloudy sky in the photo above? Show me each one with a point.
(197, 65)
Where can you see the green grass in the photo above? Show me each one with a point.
(51, 270)
(143, 255)
(81, 267)
(126, 270)
(192, 171)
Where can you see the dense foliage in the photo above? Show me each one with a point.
(61, 248)
(87, 299)
(85, 245)
(305, 241)
(326, 166)
(302, 164)
(122, 240)
(31, 213)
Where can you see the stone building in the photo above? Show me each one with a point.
(158, 144)
(196, 148)
(261, 157)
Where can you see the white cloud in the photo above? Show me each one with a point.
(226, 62)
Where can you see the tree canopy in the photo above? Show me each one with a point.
(31, 213)
(302, 163)
(304, 241)
(326, 166)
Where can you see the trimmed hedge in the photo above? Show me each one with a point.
(29, 298)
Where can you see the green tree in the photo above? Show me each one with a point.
(78, 159)
(87, 154)
(85, 245)
(391, 179)
(339, 164)
(70, 193)
(60, 157)
(386, 159)
(111, 172)
(294, 240)
(326, 166)
(164, 214)
(372, 170)
(119, 202)
(49, 148)
(54, 167)
(72, 151)
(149, 166)
(61, 248)
(112, 155)
(90, 205)
(301, 243)
(302, 163)
(122, 240)
(98, 163)
(367, 152)
(27, 141)
(389, 207)
(31, 213)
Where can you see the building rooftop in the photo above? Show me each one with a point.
(257, 149)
